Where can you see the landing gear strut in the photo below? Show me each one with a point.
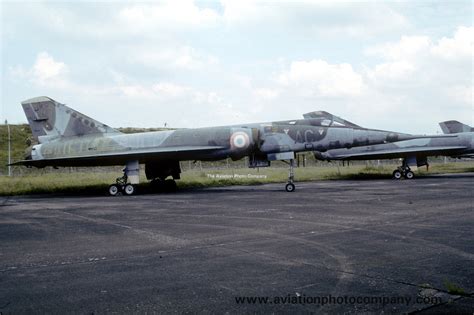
(290, 187)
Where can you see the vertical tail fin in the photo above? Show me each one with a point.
(454, 126)
(50, 120)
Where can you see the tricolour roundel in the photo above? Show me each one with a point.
(239, 140)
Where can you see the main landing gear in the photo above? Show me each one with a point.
(158, 173)
(290, 187)
(164, 185)
(131, 173)
(121, 186)
(403, 171)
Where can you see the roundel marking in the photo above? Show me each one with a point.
(239, 140)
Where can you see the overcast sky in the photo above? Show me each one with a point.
(401, 65)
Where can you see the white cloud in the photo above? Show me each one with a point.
(45, 72)
(461, 94)
(167, 15)
(108, 22)
(408, 47)
(46, 69)
(401, 60)
(319, 78)
(170, 89)
(239, 60)
(166, 18)
(422, 62)
(244, 11)
(411, 77)
(136, 91)
(183, 57)
(324, 18)
(160, 91)
(180, 105)
(417, 76)
(266, 94)
(460, 46)
(397, 70)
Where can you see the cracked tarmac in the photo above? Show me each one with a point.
(200, 249)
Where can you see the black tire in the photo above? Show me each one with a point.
(397, 174)
(409, 175)
(114, 190)
(170, 185)
(129, 189)
(290, 187)
(157, 185)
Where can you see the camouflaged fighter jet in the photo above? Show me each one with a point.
(457, 142)
(66, 137)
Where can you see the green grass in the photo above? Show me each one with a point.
(55, 183)
(19, 134)
(454, 289)
(90, 182)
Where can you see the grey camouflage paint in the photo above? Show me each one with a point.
(454, 126)
(50, 120)
(455, 145)
(69, 138)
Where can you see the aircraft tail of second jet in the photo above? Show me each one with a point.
(50, 120)
(454, 126)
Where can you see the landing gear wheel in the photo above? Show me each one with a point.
(129, 189)
(397, 174)
(114, 190)
(290, 187)
(409, 175)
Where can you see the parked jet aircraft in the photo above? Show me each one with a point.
(458, 142)
(68, 138)
(454, 126)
